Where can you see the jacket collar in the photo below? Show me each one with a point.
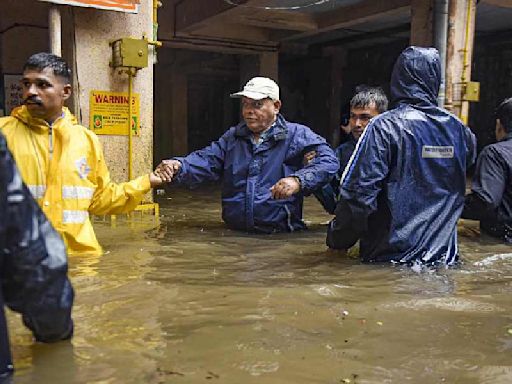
(23, 115)
(277, 132)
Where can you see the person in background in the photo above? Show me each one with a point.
(260, 163)
(402, 191)
(33, 265)
(62, 162)
(490, 200)
(367, 103)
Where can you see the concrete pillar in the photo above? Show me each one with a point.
(55, 30)
(269, 65)
(94, 29)
(337, 66)
(459, 54)
(69, 54)
(264, 64)
(249, 67)
(421, 23)
(179, 125)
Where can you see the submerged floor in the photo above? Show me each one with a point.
(192, 302)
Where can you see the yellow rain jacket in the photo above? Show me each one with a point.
(64, 168)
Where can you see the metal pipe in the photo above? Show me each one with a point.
(440, 42)
(130, 130)
(450, 50)
(156, 4)
(55, 25)
(466, 64)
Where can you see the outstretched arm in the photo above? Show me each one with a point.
(111, 198)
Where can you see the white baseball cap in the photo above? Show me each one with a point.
(259, 88)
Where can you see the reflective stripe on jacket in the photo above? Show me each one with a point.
(64, 168)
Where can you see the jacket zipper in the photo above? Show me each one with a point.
(50, 134)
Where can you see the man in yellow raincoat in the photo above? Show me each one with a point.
(62, 162)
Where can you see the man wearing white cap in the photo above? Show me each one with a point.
(260, 164)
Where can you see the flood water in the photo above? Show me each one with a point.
(193, 302)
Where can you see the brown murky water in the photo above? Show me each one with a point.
(192, 302)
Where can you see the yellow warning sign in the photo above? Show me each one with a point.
(108, 113)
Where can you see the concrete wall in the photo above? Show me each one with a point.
(85, 38)
(93, 31)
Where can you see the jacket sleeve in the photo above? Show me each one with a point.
(361, 184)
(33, 260)
(322, 168)
(110, 198)
(206, 164)
(470, 147)
(328, 194)
(489, 183)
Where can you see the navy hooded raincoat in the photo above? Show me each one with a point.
(248, 171)
(33, 264)
(403, 190)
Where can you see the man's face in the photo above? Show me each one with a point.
(259, 114)
(44, 93)
(360, 117)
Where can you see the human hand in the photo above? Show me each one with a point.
(285, 187)
(155, 180)
(167, 169)
(308, 157)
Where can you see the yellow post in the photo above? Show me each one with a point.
(466, 64)
(130, 133)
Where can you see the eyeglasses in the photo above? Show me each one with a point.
(363, 117)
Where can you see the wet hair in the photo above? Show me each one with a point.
(504, 114)
(43, 60)
(366, 95)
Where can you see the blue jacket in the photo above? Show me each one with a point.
(248, 171)
(328, 194)
(490, 200)
(403, 191)
(33, 264)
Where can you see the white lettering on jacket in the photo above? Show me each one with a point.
(437, 152)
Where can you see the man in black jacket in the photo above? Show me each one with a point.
(33, 265)
(490, 200)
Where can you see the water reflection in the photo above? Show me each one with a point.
(190, 301)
